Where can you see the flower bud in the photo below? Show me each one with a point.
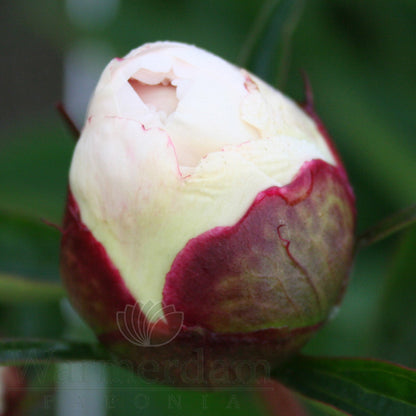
(208, 215)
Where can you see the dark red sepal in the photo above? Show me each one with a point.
(95, 287)
(285, 263)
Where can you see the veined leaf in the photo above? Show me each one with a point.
(357, 386)
(317, 408)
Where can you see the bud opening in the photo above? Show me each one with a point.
(160, 98)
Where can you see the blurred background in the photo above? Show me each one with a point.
(361, 60)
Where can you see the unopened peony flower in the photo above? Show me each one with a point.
(206, 212)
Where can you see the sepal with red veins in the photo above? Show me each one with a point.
(284, 264)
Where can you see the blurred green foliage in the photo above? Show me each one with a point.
(361, 60)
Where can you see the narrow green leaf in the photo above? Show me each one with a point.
(357, 386)
(395, 329)
(34, 160)
(16, 289)
(28, 246)
(388, 226)
(21, 352)
(317, 408)
(360, 118)
(266, 51)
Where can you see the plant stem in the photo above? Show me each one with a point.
(263, 19)
(266, 51)
(16, 289)
(386, 227)
(29, 351)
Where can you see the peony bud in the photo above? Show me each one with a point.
(208, 215)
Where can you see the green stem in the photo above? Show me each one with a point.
(263, 18)
(266, 51)
(386, 227)
(287, 34)
(16, 289)
(20, 352)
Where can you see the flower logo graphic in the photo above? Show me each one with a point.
(138, 326)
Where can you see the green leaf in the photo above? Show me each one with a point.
(395, 329)
(34, 161)
(20, 352)
(123, 385)
(317, 408)
(388, 226)
(266, 51)
(16, 289)
(357, 386)
(28, 246)
(368, 138)
(131, 391)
